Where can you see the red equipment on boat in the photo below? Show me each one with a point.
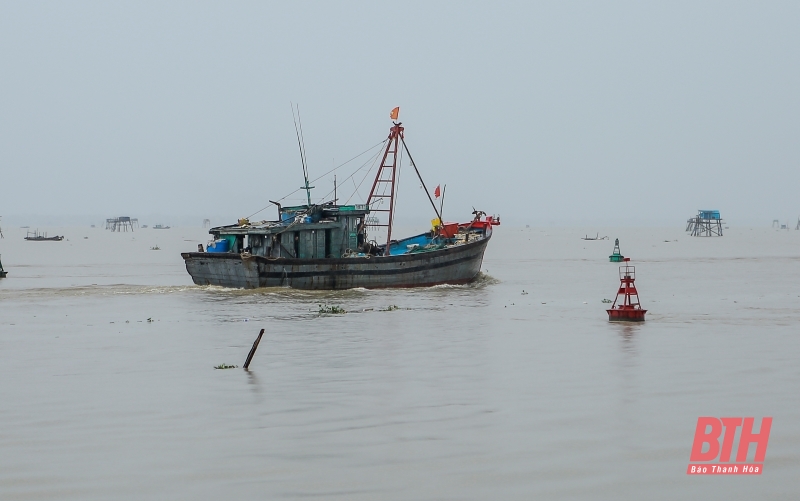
(629, 310)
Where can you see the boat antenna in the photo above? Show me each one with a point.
(441, 204)
(301, 145)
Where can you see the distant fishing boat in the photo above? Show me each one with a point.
(158, 227)
(3, 273)
(596, 237)
(327, 245)
(42, 237)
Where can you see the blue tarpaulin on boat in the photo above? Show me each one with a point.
(401, 247)
(220, 245)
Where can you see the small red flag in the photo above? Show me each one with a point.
(395, 113)
(437, 192)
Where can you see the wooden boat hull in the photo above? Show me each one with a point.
(454, 265)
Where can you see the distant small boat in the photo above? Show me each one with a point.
(42, 237)
(159, 227)
(3, 272)
(144, 226)
(596, 237)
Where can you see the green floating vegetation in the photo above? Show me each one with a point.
(331, 310)
(225, 366)
(391, 307)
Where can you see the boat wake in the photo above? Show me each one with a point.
(214, 292)
(92, 291)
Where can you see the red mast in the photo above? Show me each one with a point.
(387, 174)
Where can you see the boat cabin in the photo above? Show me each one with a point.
(303, 232)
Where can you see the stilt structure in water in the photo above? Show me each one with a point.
(629, 310)
(615, 256)
(206, 223)
(121, 223)
(707, 223)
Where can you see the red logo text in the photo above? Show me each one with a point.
(712, 456)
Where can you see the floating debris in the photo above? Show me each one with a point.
(331, 310)
(391, 307)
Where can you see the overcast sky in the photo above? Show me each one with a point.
(547, 113)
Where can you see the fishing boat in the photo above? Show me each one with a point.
(42, 237)
(159, 227)
(328, 245)
(3, 273)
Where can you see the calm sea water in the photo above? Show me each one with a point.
(516, 387)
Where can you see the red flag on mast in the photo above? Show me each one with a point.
(395, 113)
(437, 192)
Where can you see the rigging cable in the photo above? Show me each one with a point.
(320, 177)
(438, 216)
(365, 176)
(370, 159)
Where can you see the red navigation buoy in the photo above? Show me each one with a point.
(629, 310)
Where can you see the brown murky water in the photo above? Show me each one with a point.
(476, 392)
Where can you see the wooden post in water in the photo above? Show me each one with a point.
(253, 349)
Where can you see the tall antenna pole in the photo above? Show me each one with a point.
(302, 146)
(441, 204)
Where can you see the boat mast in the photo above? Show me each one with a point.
(387, 174)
